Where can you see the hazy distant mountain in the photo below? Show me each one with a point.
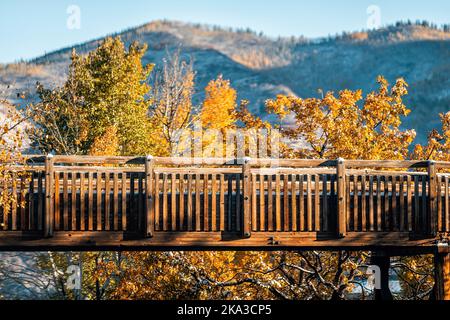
(260, 67)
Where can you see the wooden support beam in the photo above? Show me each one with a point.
(341, 194)
(382, 260)
(49, 216)
(442, 276)
(246, 191)
(432, 199)
(149, 224)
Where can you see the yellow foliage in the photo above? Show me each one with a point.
(337, 126)
(218, 110)
(107, 144)
(11, 139)
(438, 146)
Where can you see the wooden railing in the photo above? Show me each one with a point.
(149, 196)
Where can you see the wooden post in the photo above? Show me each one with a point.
(49, 217)
(246, 190)
(341, 194)
(442, 276)
(149, 223)
(432, 199)
(382, 260)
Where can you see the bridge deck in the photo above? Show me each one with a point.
(98, 203)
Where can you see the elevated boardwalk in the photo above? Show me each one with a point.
(119, 203)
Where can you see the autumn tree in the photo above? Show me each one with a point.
(438, 146)
(172, 109)
(106, 92)
(219, 106)
(345, 125)
(11, 145)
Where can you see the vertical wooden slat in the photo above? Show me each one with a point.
(424, 213)
(73, 194)
(439, 202)
(239, 212)
(355, 203)
(254, 203)
(363, 203)
(294, 202)
(14, 205)
(409, 203)
(82, 202)
(23, 200)
(371, 206)
(447, 209)
(379, 213)
(141, 198)
(157, 206)
(99, 224)
(402, 203)
(40, 195)
(301, 203)
(107, 201)
(213, 202)
(262, 200)
(133, 208)
(66, 200)
(432, 204)
(165, 203)
(189, 203)
(30, 196)
(197, 203)
(182, 225)
(395, 224)
(4, 221)
(222, 202)
(270, 203)
(277, 202)
(416, 204)
(340, 174)
(173, 201)
(116, 201)
(206, 202)
(124, 201)
(325, 202)
(246, 191)
(309, 203)
(316, 203)
(286, 202)
(229, 201)
(90, 201)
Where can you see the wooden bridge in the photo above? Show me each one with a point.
(119, 203)
(98, 203)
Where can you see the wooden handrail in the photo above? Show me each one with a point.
(261, 162)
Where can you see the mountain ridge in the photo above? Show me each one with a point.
(261, 67)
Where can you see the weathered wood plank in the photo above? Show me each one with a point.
(213, 202)
(262, 205)
(90, 202)
(82, 201)
(116, 201)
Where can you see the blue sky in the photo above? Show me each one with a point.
(29, 28)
